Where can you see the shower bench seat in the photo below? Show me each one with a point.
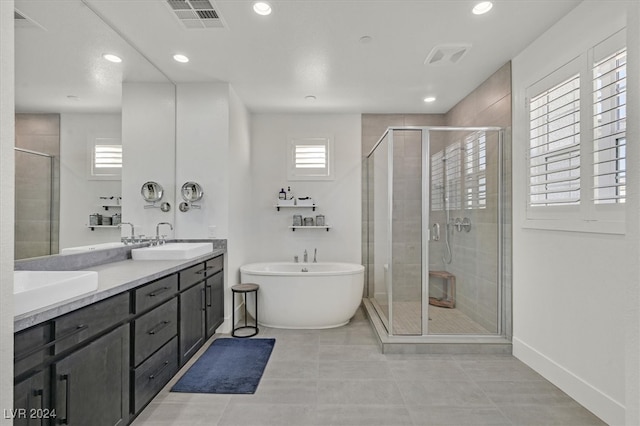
(449, 298)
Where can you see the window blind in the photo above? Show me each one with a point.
(107, 156)
(453, 173)
(609, 129)
(310, 156)
(475, 165)
(554, 145)
(437, 182)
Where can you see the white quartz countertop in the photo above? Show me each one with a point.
(113, 278)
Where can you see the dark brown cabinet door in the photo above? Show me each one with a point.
(92, 384)
(31, 404)
(192, 321)
(214, 302)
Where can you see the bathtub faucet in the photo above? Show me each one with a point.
(315, 254)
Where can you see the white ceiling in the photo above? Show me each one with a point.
(305, 47)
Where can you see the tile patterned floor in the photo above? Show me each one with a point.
(408, 319)
(339, 377)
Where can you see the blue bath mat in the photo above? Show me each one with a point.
(228, 366)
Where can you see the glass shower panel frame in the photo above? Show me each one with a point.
(376, 232)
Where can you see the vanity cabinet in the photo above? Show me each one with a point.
(92, 384)
(103, 363)
(201, 305)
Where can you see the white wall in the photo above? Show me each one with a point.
(632, 293)
(240, 204)
(569, 287)
(202, 155)
(7, 156)
(339, 200)
(79, 194)
(148, 147)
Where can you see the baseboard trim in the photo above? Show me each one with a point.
(593, 399)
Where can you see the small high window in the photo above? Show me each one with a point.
(310, 159)
(106, 159)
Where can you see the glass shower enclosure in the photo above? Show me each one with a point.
(434, 231)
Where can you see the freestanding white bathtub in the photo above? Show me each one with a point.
(304, 295)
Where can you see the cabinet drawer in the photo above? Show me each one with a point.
(154, 329)
(30, 348)
(154, 373)
(155, 293)
(192, 275)
(87, 322)
(215, 265)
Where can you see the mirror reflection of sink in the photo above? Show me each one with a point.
(172, 251)
(37, 289)
(84, 249)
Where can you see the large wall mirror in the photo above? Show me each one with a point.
(69, 124)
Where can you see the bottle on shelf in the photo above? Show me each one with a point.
(289, 193)
(282, 195)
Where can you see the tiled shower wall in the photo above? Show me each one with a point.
(37, 200)
(475, 253)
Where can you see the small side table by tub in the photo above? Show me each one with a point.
(244, 289)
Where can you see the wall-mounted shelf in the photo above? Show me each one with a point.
(295, 207)
(327, 227)
(92, 227)
(110, 206)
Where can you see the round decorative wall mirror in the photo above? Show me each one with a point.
(151, 191)
(191, 192)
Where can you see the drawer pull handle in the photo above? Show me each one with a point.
(202, 271)
(157, 373)
(157, 328)
(67, 402)
(208, 290)
(159, 291)
(71, 333)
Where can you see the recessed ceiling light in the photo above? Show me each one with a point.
(112, 58)
(310, 98)
(430, 99)
(180, 58)
(262, 8)
(482, 8)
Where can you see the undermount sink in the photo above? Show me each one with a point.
(36, 289)
(84, 249)
(172, 251)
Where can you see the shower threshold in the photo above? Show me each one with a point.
(434, 344)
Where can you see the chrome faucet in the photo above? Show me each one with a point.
(126, 240)
(315, 254)
(306, 256)
(158, 232)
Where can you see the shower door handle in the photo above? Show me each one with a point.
(435, 234)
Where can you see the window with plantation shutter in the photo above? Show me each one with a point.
(106, 159)
(453, 177)
(577, 142)
(554, 145)
(437, 182)
(475, 166)
(609, 129)
(309, 159)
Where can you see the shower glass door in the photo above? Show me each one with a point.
(464, 254)
(434, 231)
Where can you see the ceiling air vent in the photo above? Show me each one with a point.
(196, 13)
(447, 54)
